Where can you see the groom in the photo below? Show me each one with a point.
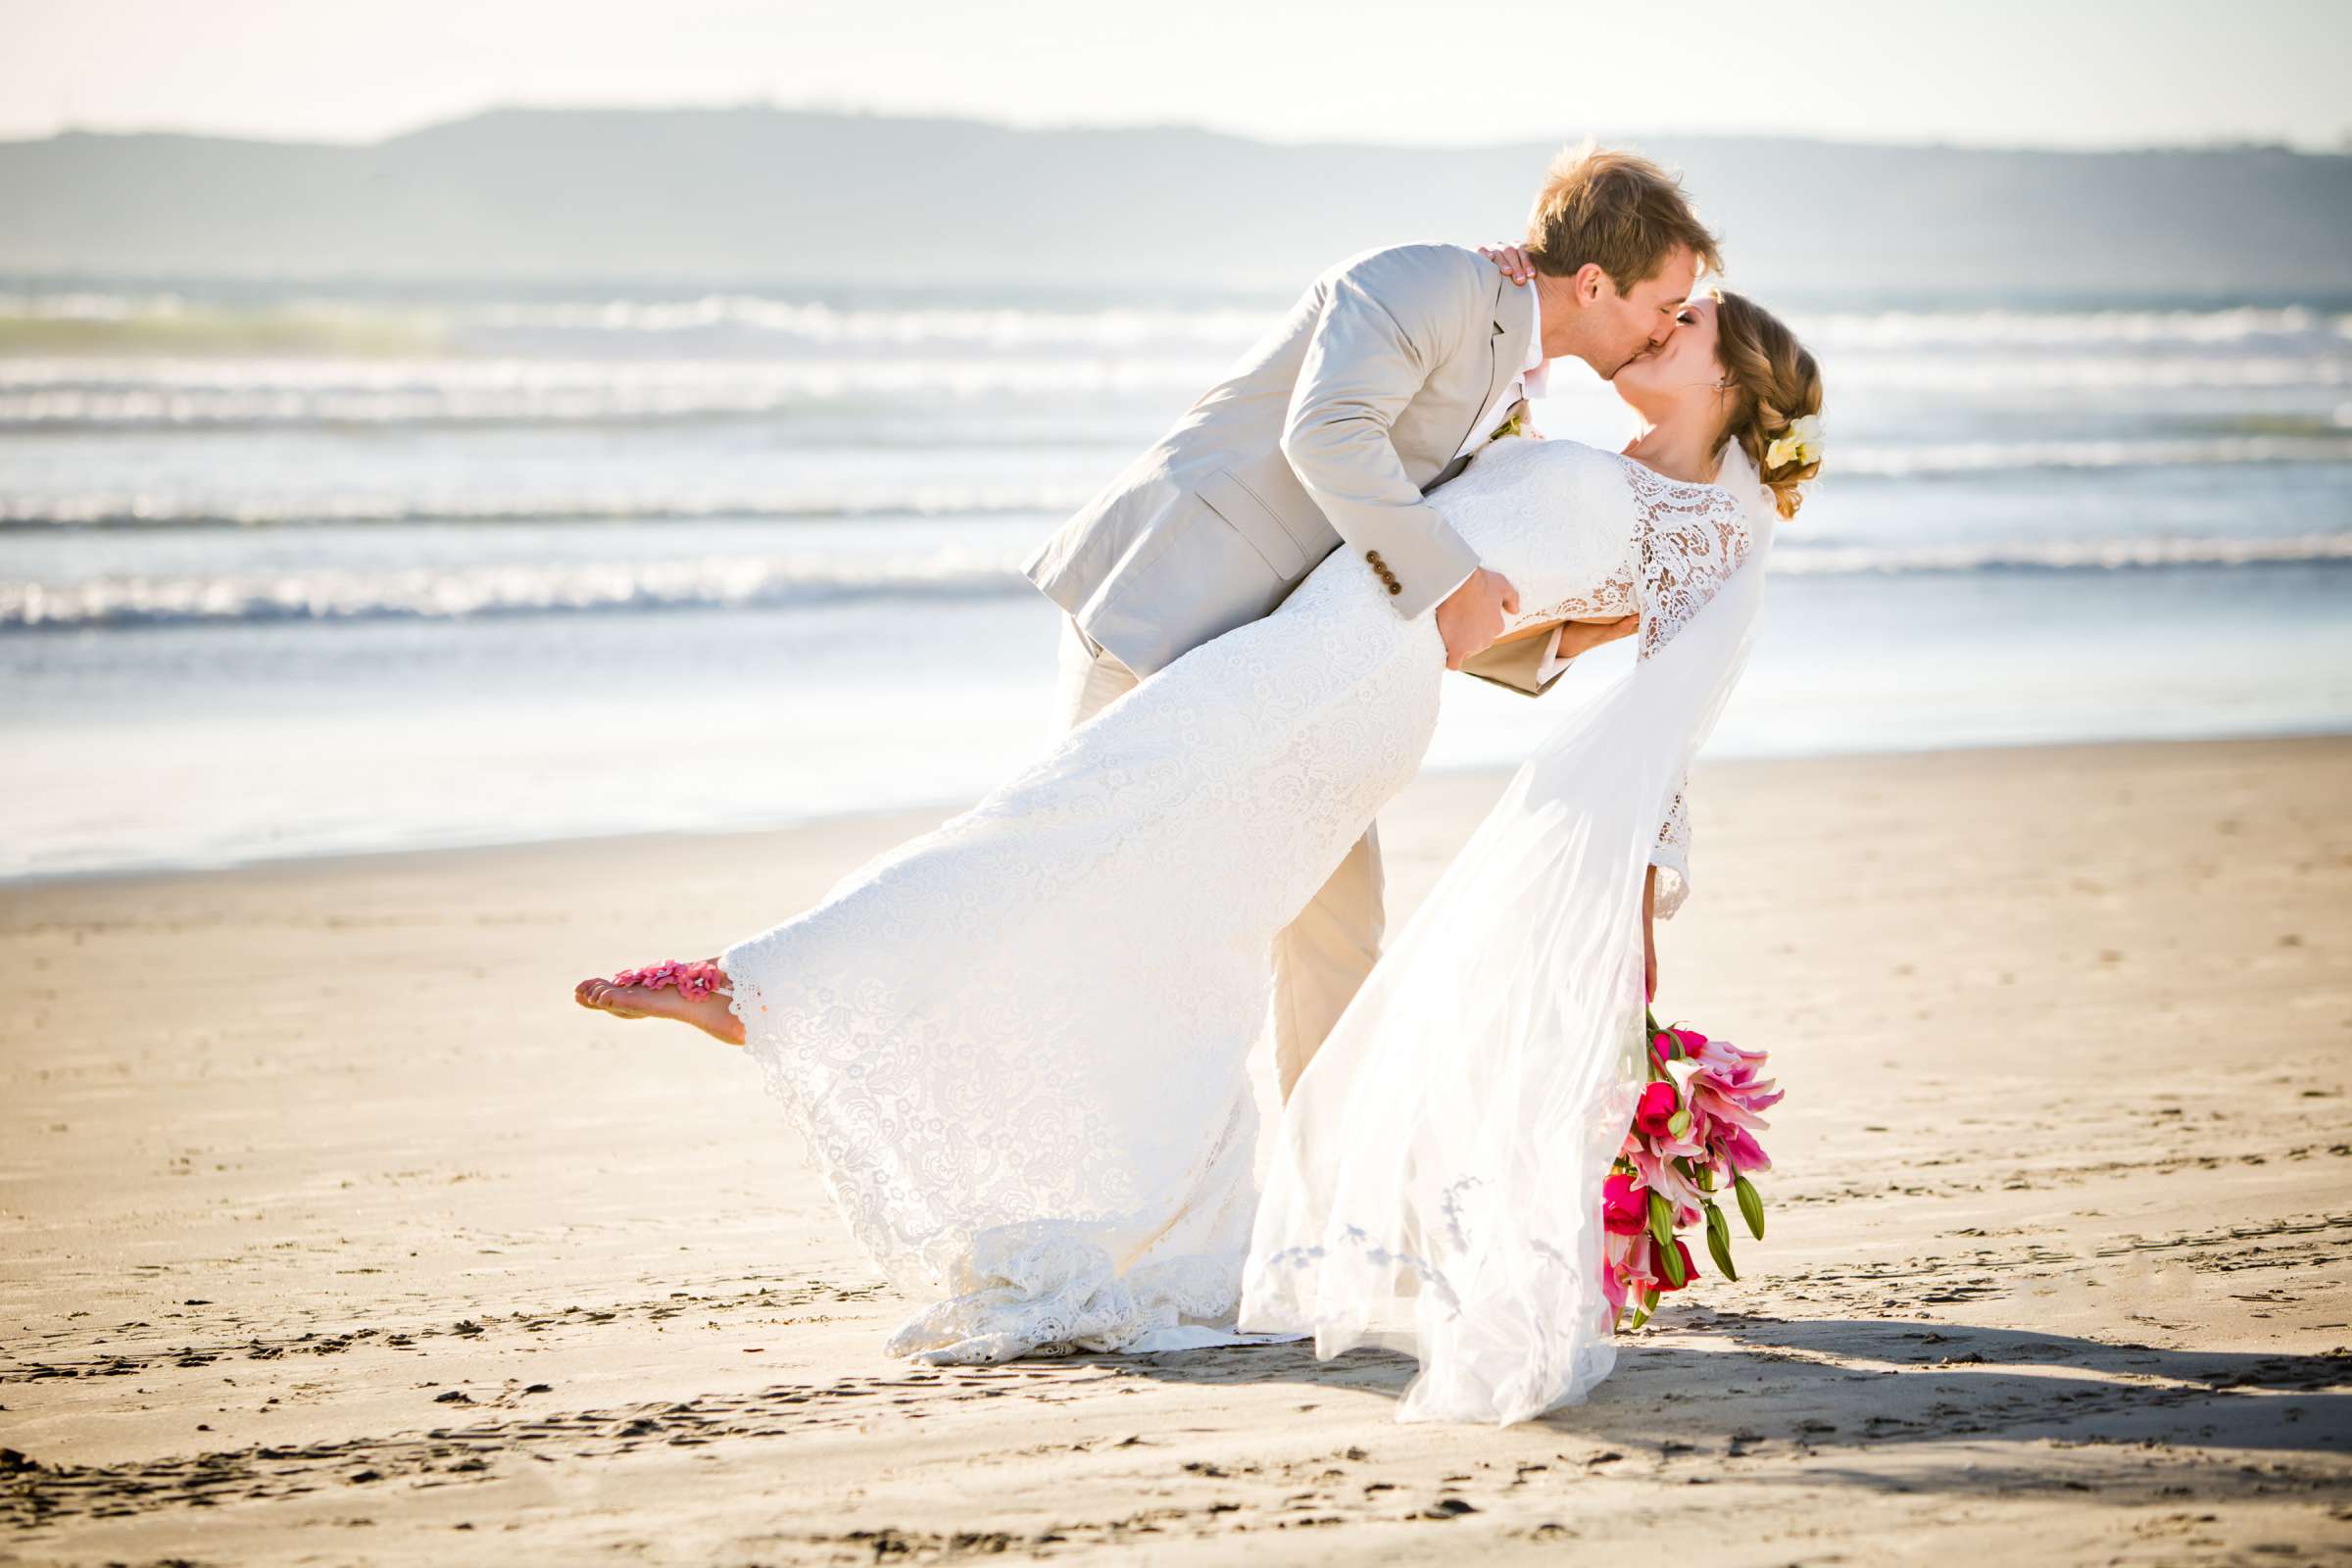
(1393, 368)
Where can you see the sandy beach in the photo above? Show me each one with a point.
(335, 1233)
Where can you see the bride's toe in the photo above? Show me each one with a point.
(603, 996)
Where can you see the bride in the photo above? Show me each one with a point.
(1017, 1046)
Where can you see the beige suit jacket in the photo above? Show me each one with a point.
(1328, 432)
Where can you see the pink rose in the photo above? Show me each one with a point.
(1624, 1206)
(1667, 1044)
(1657, 1104)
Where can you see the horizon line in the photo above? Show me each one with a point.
(2219, 142)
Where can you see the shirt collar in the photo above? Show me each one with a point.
(1538, 368)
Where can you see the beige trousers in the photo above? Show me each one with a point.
(1322, 956)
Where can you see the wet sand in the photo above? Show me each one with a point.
(331, 1230)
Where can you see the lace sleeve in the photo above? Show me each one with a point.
(1604, 602)
(1690, 539)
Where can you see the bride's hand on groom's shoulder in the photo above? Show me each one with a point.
(1510, 260)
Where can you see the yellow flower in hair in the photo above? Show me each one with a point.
(1799, 444)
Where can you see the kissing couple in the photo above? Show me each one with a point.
(1019, 1046)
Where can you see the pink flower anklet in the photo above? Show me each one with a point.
(694, 981)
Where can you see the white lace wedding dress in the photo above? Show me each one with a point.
(1016, 1044)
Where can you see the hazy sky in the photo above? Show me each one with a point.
(1997, 71)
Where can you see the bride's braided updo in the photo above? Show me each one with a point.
(1776, 384)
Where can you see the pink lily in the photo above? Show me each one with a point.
(1744, 1150)
(1722, 1056)
(1660, 1177)
(1728, 1106)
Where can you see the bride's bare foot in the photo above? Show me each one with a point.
(695, 994)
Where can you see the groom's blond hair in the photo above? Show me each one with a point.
(1616, 209)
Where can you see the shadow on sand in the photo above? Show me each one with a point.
(1849, 1384)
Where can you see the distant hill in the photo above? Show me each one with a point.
(734, 197)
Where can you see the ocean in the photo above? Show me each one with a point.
(299, 569)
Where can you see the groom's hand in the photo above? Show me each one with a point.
(1470, 617)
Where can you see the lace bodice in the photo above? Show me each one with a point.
(1613, 538)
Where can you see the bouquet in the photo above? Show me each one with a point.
(1691, 1134)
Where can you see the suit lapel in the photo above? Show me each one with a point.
(1514, 321)
(1511, 320)
(1506, 351)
